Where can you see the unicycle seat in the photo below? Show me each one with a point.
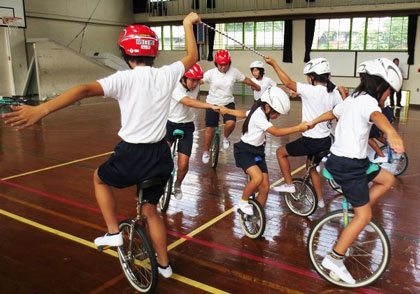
(317, 157)
(372, 168)
(149, 183)
(178, 134)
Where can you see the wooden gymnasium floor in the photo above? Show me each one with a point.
(49, 216)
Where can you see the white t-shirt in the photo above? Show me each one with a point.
(316, 101)
(144, 95)
(180, 113)
(264, 83)
(257, 126)
(221, 85)
(353, 127)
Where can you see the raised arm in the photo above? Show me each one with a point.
(187, 101)
(286, 80)
(278, 132)
(235, 112)
(25, 115)
(250, 83)
(190, 43)
(384, 125)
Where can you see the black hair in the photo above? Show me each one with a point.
(183, 82)
(324, 78)
(215, 64)
(147, 60)
(396, 58)
(260, 70)
(375, 86)
(258, 103)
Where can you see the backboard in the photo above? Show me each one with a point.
(13, 8)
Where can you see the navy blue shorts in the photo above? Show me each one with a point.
(350, 174)
(212, 117)
(247, 155)
(308, 146)
(185, 144)
(131, 164)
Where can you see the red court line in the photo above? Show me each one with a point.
(194, 240)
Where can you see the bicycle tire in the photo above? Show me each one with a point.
(304, 201)
(138, 264)
(214, 150)
(399, 163)
(166, 196)
(373, 246)
(253, 225)
(336, 187)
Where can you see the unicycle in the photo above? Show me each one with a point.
(304, 200)
(366, 259)
(253, 225)
(166, 197)
(397, 162)
(136, 255)
(215, 147)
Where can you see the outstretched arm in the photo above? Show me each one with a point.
(190, 44)
(235, 112)
(187, 101)
(382, 123)
(286, 80)
(323, 117)
(250, 83)
(278, 132)
(25, 115)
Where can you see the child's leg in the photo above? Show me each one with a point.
(107, 203)
(282, 158)
(381, 184)
(256, 178)
(183, 163)
(375, 147)
(229, 127)
(362, 217)
(208, 136)
(263, 189)
(316, 180)
(157, 232)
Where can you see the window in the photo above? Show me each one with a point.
(373, 33)
(166, 38)
(178, 38)
(269, 35)
(158, 31)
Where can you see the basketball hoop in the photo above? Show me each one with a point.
(12, 23)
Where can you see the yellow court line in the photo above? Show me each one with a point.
(55, 166)
(76, 239)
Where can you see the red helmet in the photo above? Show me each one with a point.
(139, 40)
(222, 57)
(195, 72)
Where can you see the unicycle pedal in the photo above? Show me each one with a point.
(102, 248)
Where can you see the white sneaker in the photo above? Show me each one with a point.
(109, 240)
(380, 159)
(321, 203)
(226, 143)
(166, 272)
(338, 267)
(178, 192)
(206, 157)
(245, 207)
(285, 188)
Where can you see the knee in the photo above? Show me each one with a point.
(364, 218)
(280, 152)
(257, 179)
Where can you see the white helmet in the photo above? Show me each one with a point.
(384, 68)
(318, 65)
(277, 99)
(257, 64)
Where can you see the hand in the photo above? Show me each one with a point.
(270, 61)
(395, 142)
(223, 110)
(258, 88)
(293, 94)
(192, 17)
(23, 116)
(215, 108)
(310, 124)
(303, 126)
